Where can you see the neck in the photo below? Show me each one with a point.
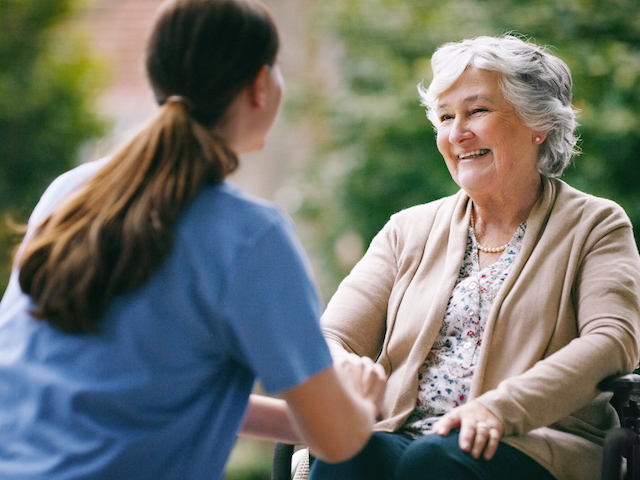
(494, 223)
(505, 213)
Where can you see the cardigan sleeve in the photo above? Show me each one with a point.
(598, 292)
(355, 318)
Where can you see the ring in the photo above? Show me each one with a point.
(482, 426)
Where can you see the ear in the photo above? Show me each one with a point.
(257, 90)
(539, 137)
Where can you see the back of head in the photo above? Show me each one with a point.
(537, 84)
(109, 237)
(209, 50)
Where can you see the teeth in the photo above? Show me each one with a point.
(475, 153)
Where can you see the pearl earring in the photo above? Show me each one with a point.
(537, 139)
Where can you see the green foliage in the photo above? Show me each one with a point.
(250, 460)
(383, 158)
(48, 83)
(249, 472)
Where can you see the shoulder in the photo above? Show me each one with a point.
(225, 211)
(74, 177)
(426, 209)
(249, 204)
(580, 220)
(576, 207)
(62, 186)
(420, 219)
(408, 231)
(229, 199)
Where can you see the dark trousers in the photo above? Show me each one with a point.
(392, 456)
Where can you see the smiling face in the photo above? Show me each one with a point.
(489, 151)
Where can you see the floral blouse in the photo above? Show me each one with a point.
(445, 377)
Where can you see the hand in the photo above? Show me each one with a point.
(366, 378)
(334, 411)
(480, 430)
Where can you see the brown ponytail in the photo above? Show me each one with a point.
(109, 236)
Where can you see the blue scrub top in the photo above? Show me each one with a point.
(161, 391)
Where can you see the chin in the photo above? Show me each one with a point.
(470, 182)
(258, 145)
(253, 148)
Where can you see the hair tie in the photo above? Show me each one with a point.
(181, 100)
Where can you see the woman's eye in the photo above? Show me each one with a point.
(479, 110)
(444, 118)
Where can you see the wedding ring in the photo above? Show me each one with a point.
(482, 426)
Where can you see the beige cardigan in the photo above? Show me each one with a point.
(567, 316)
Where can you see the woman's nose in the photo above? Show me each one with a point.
(460, 130)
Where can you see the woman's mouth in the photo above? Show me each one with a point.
(474, 154)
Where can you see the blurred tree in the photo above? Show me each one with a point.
(383, 157)
(48, 83)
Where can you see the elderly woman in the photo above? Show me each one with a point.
(496, 311)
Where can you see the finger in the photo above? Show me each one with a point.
(380, 386)
(359, 367)
(371, 378)
(368, 372)
(374, 378)
(467, 436)
(381, 378)
(492, 444)
(447, 423)
(480, 440)
(349, 370)
(373, 384)
(344, 363)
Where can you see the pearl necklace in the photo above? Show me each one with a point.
(487, 249)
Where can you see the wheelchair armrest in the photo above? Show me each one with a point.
(625, 390)
(623, 383)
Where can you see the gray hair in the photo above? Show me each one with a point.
(536, 83)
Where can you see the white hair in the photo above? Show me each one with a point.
(536, 83)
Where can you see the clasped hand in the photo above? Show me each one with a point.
(367, 378)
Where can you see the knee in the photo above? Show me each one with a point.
(354, 468)
(432, 456)
(377, 460)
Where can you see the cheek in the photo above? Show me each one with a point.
(442, 142)
(441, 139)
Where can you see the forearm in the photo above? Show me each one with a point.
(334, 419)
(596, 299)
(269, 419)
(555, 387)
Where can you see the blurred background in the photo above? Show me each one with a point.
(352, 145)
